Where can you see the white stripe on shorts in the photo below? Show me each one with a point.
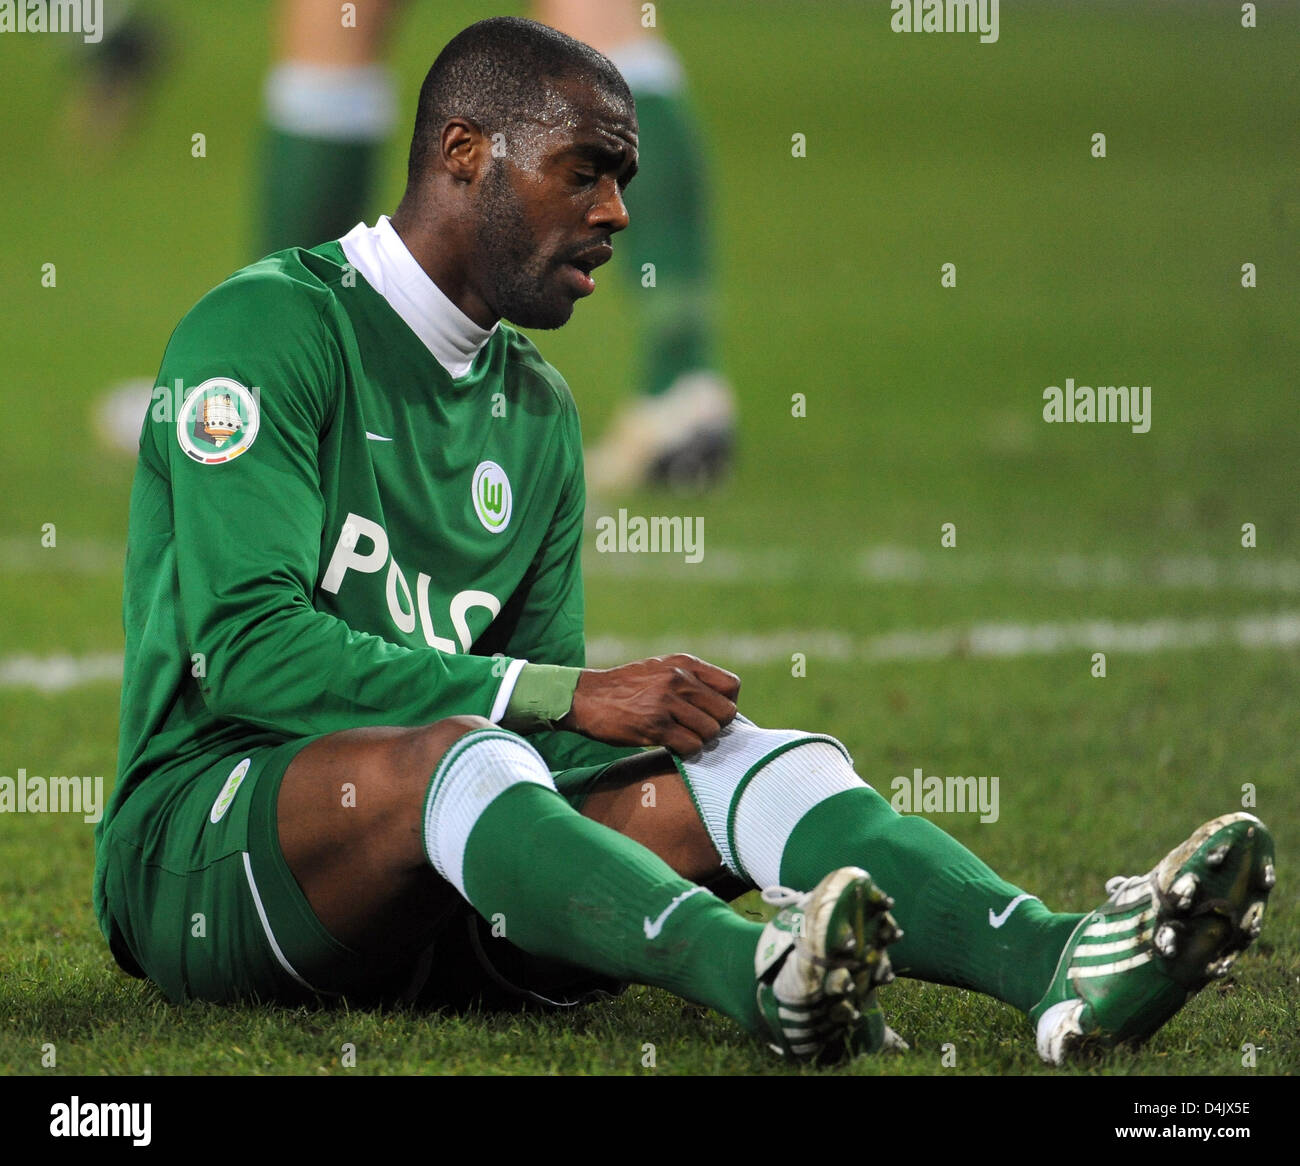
(266, 927)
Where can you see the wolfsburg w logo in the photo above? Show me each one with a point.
(490, 492)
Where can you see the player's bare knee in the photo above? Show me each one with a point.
(393, 786)
(645, 799)
(428, 744)
(691, 853)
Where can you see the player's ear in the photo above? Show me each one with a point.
(463, 148)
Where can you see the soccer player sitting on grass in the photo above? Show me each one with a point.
(355, 713)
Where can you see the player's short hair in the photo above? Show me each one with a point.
(496, 72)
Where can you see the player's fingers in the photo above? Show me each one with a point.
(702, 727)
(709, 700)
(681, 741)
(718, 679)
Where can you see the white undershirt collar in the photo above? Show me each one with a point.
(385, 263)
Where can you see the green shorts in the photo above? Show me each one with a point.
(202, 902)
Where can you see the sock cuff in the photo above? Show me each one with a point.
(719, 776)
(342, 103)
(778, 795)
(472, 774)
(649, 65)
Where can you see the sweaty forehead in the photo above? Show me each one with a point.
(574, 110)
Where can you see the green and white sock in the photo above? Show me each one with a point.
(962, 923)
(567, 888)
(787, 808)
(669, 207)
(326, 126)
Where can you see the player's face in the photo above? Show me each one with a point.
(548, 208)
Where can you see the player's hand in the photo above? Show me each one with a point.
(676, 701)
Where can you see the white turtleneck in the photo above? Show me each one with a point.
(381, 257)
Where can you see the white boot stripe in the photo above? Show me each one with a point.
(1092, 949)
(1082, 973)
(1117, 925)
(1132, 894)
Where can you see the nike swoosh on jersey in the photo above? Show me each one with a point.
(998, 920)
(652, 930)
(376, 436)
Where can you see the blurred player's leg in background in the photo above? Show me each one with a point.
(113, 75)
(330, 106)
(679, 430)
(105, 101)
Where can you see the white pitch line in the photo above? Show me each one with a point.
(884, 564)
(986, 640)
(1246, 571)
(59, 673)
(890, 564)
(72, 556)
(1004, 641)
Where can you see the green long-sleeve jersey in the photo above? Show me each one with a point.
(327, 530)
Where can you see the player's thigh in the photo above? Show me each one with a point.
(644, 798)
(350, 826)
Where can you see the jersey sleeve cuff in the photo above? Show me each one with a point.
(540, 695)
(505, 690)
